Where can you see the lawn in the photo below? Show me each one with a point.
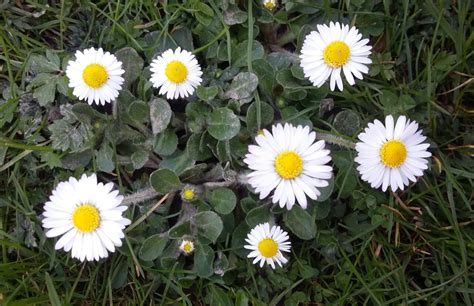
(181, 160)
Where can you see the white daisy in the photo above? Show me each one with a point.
(266, 244)
(187, 247)
(177, 73)
(95, 76)
(332, 48)
(393, 154)
(88, 217)
(289, 162)
(270, 4)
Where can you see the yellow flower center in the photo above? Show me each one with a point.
(188, 194)
(268, 247)
(269, 5)
(176, 72)
(187, 248)
(288, 164)
(393, 153)
(95, 75)
(86, 218)
(336, 54)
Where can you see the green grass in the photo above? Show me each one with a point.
(374, 248)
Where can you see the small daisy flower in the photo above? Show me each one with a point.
(88, 217)
(289, 162)
(188, 193)
(270, 4)
(393, 154)
(187, 247)
(177, 73)
(331, 49)
(95, 76)
(267, 244)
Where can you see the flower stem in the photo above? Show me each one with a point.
(337, 140)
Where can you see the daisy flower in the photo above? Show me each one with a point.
(88, 217)
(289, 162)
(269, 4)
(267, 244)
(188, 193)
(95, 76)
(331, 49)
(177, 73)
(393, 154)
(187, 247)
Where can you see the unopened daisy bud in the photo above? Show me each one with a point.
(88, 217)
(95, 75)
(267, 244)
(177, 73)
(392, 154)
(188, 193)
(269, 4)
(333, 50)
(187, 247)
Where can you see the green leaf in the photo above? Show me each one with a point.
(39, 63)
(223, 124)
(132, 63)
(326, 191)
(286, 79)
(203, 260)
(243, 85)
(139, 159)
(258, 215)
(52, 293)
(139, 111)
(166, 143)
(160, 115)
(266, 76)
(300, 223)
(180, 230)
(75, 137)
(153, 247)
(267, 116)
(347, 122)
(45, 94)
(104, 158)
(196, 114)
(207, 93)
(178, 162)
(223, 200)
(238, 239)
(164, 181)
(209, 224)
(233, 15)
(198, 146)
(239, 53)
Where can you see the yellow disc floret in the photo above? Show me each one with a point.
(393, 153)
(176, 72)
(86, 218)
(288, 164)
(269, 4)
(268, 247)
(187, 247)
(336, 54)
(188, 194)
(95, 75)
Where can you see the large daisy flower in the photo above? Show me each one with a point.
(95, 76)
(289, 162)
(331, 49)
(177, 73)
(267, 244)
(393, 154)
(88, 217)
